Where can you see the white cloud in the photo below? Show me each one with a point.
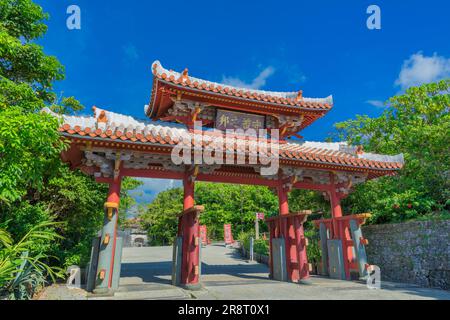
(256, 83)
(376, 103)
(419, 69)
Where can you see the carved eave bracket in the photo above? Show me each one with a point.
(257, 169)
(293, 175)
(346, 181)
(188, 112)
(289, 125)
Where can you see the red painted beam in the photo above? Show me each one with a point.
(163, 174)
(152, 173)
(236, 180)
(219, 178)
(104, 180)
(312, 186)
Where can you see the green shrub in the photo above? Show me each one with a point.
(313, 250)
(244, 238)
(23, 272)
(260, 246)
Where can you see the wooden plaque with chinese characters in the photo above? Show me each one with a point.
(237, 120)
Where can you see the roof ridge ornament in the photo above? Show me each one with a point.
(155, 66)
(359, 149)
(102, 118)
(184, 76)
(299, 96)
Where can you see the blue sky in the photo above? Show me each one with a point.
(322, 47)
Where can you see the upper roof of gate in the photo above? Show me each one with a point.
(170, 85)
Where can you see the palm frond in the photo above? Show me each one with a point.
(5, 238)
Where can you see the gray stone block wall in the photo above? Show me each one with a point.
(415, 252)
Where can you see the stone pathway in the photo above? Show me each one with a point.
(61, 292)
(146, 274)
(226, 276)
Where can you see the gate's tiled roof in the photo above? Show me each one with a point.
(112, 126)
(294, 99)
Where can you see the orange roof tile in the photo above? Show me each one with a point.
(293, 99)
(128, 129)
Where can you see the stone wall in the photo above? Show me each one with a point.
(412, 252)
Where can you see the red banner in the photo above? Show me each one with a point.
(203, 234)
(227, 234)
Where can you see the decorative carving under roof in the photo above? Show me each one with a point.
(170, 86)
(125, 129)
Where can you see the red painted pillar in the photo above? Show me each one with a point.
(114, 191)
(190, 232)
(291, 250)
(336, 210)
(283, 200)
(286, 230)
(336, 205)
(339, 228)
(271, 236)
(105, 267)
(188, 193)
(303, 266)
(114, 197)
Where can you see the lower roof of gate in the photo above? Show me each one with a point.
(122, 131)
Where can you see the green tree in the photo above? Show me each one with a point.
(417, 124)
(160, 219)
(35, 186)
(29, 141)
(127, 199)
(300, 199)
(235, 205)
(224, 203)
(77, 202)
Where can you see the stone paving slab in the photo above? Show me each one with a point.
(153, 294)
(61, 292)
(225, 275)
(146, 274)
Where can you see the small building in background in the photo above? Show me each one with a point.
(133, 234)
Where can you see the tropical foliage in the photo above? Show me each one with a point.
(21, 273)
(224, 203)
(35, 187)
(417, 124)
(161, 217)
(260, 246)
(235, 205)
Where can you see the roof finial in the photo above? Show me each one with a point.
(359, 149)
(299, 96)
(184, 76)
(102, 117)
